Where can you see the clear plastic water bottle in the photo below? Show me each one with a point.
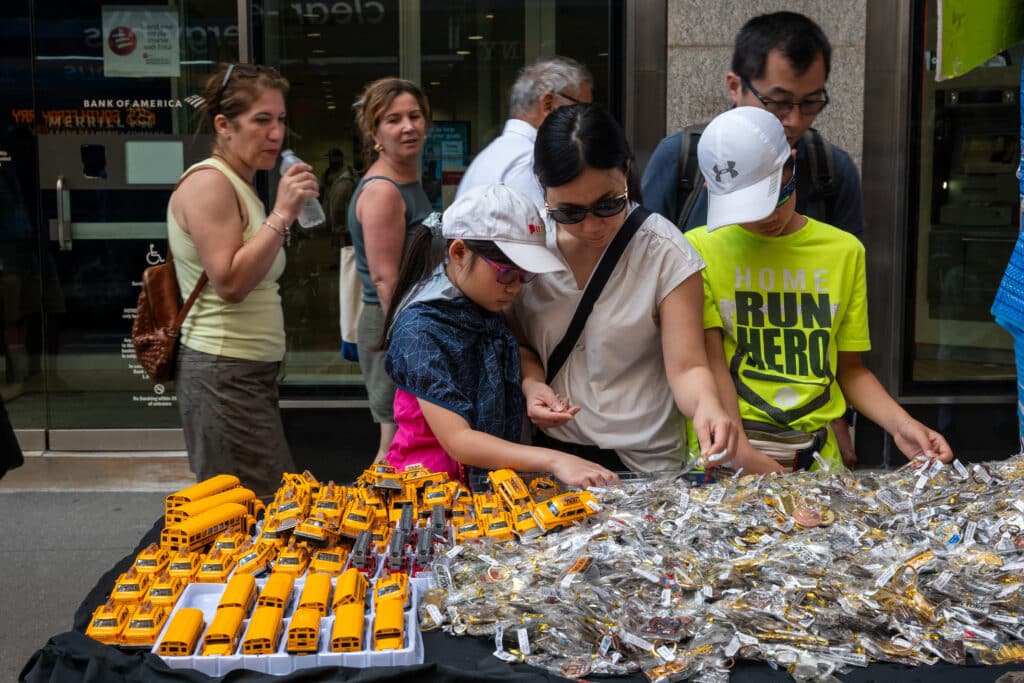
(311, 214)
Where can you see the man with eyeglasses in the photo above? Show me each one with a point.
(780, 62)
(541, 88)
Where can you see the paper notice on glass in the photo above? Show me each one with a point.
(140, 41)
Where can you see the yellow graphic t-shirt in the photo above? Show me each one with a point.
(786, 306)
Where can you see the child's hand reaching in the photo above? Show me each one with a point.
(576, 471)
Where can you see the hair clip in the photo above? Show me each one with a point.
(433, 223)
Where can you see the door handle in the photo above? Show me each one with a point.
(63, 216)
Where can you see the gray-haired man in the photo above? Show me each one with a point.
(541, 88)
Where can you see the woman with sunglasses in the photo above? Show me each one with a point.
(639, 363)
(455, 363)
(232, 341)
(392, 114)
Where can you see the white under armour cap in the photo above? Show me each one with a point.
(741, 155)
(506, 217)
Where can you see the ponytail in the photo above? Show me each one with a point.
(418, 263)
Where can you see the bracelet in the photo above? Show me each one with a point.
(280, 231)
(282, 217)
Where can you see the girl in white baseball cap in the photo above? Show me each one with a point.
(454, 361)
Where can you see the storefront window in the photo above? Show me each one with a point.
(467, 60)
(966, 222)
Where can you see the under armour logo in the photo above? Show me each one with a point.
(730, 169)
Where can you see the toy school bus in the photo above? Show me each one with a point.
(109, 619)
(239, 495)
(389, 626)
(209, 487)
(277, 591)
(152, 559)
(144, 626)
(182, 635)
(264, 633)
(316, 594)
(240, 592)
(349, 627)
(303, 632)
(222, 636)
(510, 487)
(351, 589)
(199, 531)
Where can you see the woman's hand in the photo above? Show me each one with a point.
(921, 443)
(296, 185)
(547, 409)
(576, 471)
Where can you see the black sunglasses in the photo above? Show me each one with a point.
(782, 109)
(606, 208)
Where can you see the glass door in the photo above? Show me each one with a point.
(98, 127)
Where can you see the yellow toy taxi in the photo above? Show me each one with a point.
(256, 558)
(292, 560)
(564, 509)
(498, 526)
(108, 620)
(510, 488)
(166, 589)
(152, 559)
(359, 517)
(391, 587)
(185, 564)
(330, 560)
(318, 529)
(523, 522)
(145, 625)
(216, 567)
(131, 587)
(276, 531)
(230, 541)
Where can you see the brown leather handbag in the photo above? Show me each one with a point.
(158, 318)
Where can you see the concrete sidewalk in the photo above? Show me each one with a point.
(67, 519)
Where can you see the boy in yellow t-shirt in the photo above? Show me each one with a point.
(785, 305)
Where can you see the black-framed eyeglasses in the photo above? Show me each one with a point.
(562, 94)
(782, 108)
(506, 275)
(789, 188)
(606, 208)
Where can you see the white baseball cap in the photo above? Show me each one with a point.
(506, 217)
(741, 154)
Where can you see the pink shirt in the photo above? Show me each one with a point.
(415, 443)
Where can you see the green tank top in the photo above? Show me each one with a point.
(417, 207)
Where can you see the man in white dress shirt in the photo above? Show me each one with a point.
(541, 88)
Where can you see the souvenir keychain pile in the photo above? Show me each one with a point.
(810, 572)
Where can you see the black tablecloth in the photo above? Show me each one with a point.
(72, 657)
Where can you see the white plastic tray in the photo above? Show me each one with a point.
(205, 597)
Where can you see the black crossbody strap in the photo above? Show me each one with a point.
(597, 282)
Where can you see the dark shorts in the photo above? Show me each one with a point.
(231, 418)
(605, 457)
(379, 386)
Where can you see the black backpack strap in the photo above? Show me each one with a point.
(822, 172)
(691, 182)
(602, 272)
